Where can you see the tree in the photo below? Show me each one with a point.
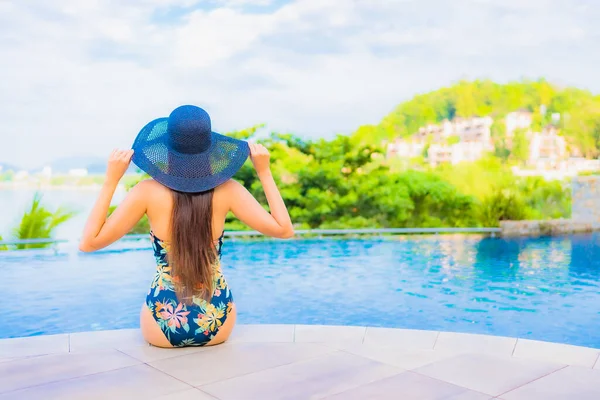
(498, 134)
(502, 205)
(545, 199)
(435, 202)
(465, 102)
(520, 146)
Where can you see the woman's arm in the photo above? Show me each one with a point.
(99, 231)
(245, 207)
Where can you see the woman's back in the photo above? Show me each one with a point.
(161, 202)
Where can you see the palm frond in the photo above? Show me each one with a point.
(39, 223)
(60, 216)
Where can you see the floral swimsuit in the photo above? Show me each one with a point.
(183, 324)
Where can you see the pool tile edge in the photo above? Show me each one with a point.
(556, 352)
(475, 343)
(337, 336)
(403, 338)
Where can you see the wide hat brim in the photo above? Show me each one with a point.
(190, 173)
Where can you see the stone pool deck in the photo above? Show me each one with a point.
(298, 362)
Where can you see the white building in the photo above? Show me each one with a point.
(405, 149)
(456, 153)
(570, 167)
(442, 153)
(581, 164)
(521, 119)
(78, 172)
(473, 130)
(462, 139)
(434, 133)
(547, 149)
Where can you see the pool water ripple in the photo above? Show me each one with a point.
(544, 289)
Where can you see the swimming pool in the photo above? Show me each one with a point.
(545, 289)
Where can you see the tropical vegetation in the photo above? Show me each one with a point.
(344, 184)
(348, 182)
(38, 222)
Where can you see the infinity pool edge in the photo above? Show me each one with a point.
(339, 337)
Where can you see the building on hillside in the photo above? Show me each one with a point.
(547, 149)
(474, 130)
(521, 119)
(550, 158)
(456, 153)
(405, 149)
(433, 133)
(78, 172)
(443, 154)
(581, 164)
(459, 140)
(571, 167)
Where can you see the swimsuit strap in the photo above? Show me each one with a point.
(220, 241)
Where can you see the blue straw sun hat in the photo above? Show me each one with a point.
(184, 154)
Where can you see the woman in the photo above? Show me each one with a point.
(186, 201)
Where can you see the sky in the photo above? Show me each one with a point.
(80, 77)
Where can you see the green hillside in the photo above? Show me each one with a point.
(579, 109)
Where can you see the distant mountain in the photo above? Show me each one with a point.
(96, 168)
(8, 167)
(94, 165)
(64, 165)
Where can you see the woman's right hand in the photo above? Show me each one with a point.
(118, 162)
(276, 222)
(260, 157)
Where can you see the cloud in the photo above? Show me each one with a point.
(214, 36)
(81, 77)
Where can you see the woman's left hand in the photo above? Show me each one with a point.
(118, 162)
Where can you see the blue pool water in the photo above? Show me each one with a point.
(545, 289)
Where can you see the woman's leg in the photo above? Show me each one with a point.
(150, 329)
(225, 329)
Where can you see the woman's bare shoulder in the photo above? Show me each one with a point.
(230, 186)
(149, 188)
(226, 192)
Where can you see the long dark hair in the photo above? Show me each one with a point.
(192, 254)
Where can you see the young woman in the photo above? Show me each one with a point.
(186, 201)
